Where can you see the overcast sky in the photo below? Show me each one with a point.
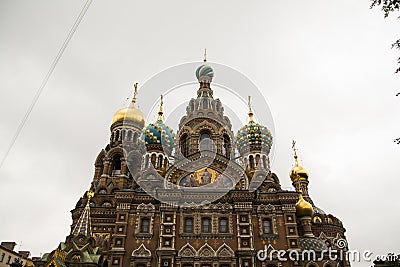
(325, 68)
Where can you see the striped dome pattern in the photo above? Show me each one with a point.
(204, 73)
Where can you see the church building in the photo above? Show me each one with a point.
(200, 196)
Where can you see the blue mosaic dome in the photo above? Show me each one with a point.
(204, 73)
(159, 133)
(254, 136)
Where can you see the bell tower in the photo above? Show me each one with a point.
(204, 127)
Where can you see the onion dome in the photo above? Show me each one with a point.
(131, 113)
(253, 136)
(204, 73)
(298, 172)
(303, 208)
(158, 132)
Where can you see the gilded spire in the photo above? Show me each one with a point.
(295, 153)
(205, 56)
(298, 172)
(135, 85)
(160, 111)
(250, 109)
(82, 226)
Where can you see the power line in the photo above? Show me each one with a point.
(46, 78)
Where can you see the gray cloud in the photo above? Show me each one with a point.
(325, 68)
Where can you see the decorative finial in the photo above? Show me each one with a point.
(250, 109)
(89, 195)
(205, 55)
(135, 85)
(295, 152)
(160, 111)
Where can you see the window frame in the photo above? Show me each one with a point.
(186, 225)
(268, 226)
(204, 226)
(142, 225)
(226, 225)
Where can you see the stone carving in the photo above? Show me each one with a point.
(141, 252)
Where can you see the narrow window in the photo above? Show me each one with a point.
(188, 225)
(145, 225)
(206, 225)
(226, 148)
(205, 141)
(184, 145)
(223, 225)
(160, 161)
(153, 159)
(267, 226)
(251, 160)
(116, 163)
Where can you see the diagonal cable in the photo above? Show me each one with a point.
(46, 78)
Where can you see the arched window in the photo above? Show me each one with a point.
(205, 141)
(144, 225)
(251, 162)
(117, 135)
(188, 225)
(146, 161)
(226, 146)
(265, 162)
(205, 225)
(153, 159)
(116, 164)
(223, 225)
(123, 135)
(129, 135)
(267, 226)
(160, 161)
(185, 145)
(317, 219)
(257, 159)
(165, 162)
(205, 104)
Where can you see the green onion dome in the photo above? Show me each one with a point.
(159, 133)
(254, 137)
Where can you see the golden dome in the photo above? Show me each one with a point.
(298, 172)
(303, 208)
(130, 114)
